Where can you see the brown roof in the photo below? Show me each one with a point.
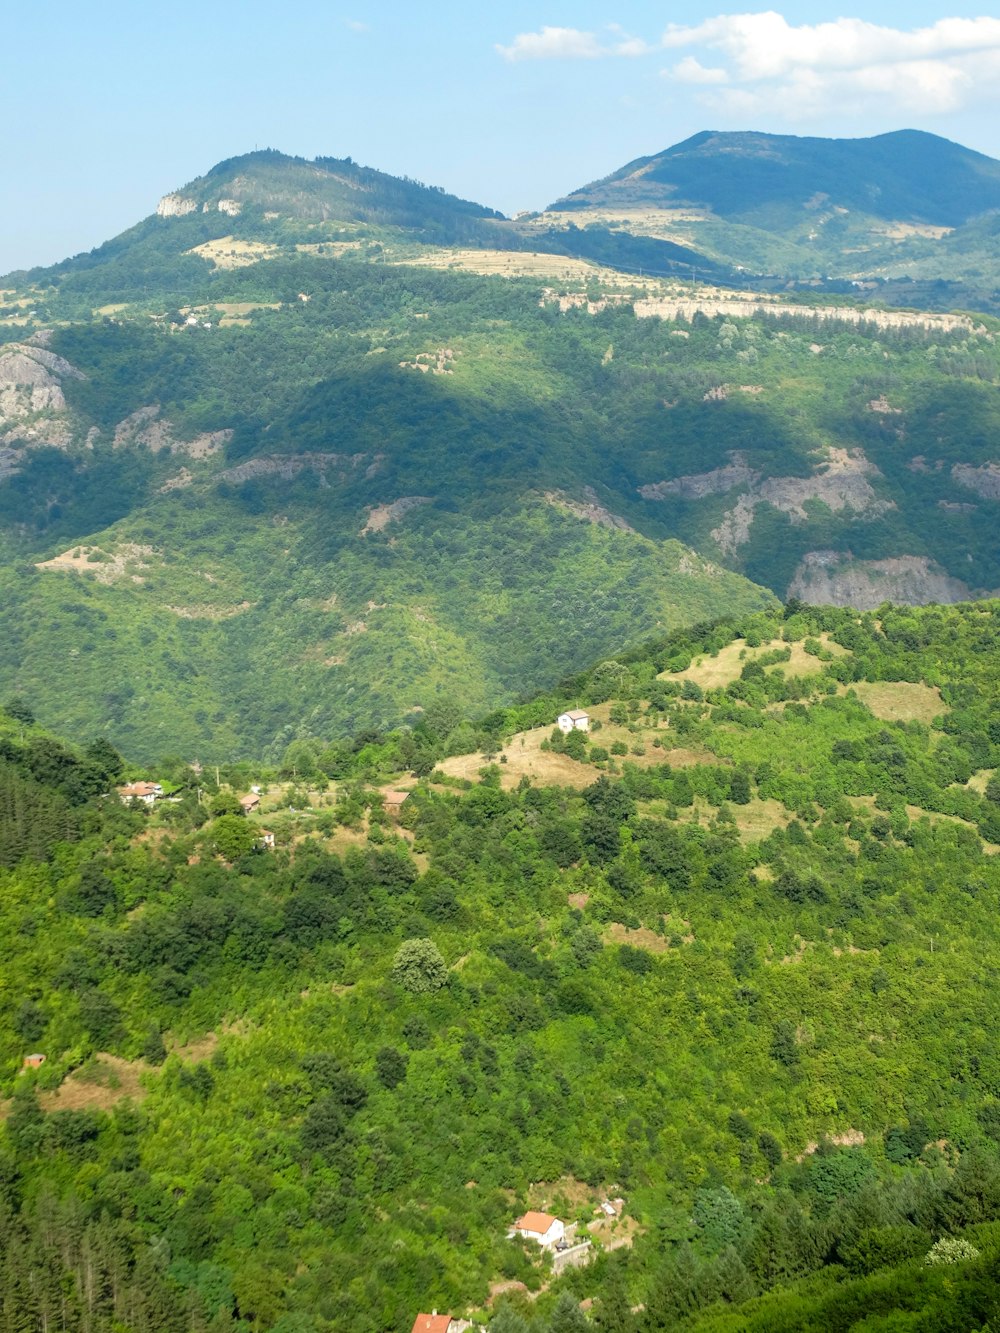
(395, 798)
(250, 802)
(531, 1221)
(577, 713)
(140, 789)
(431, 1323)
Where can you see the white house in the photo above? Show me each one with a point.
(539, 1227)
(575, 720)
(146, 792)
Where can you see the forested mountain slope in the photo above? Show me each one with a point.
(728, 958)
(900, 204)
(317, 459)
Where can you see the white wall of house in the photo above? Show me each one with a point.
(567, 723)
(555, 1233)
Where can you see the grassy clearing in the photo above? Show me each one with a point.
(901, 700)
(98, 1085)
(723, 667)
(227, 252)
(759, 818)
(526, 758)
(514, 264)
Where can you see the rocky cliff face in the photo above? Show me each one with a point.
(32, 403)
(835, 578)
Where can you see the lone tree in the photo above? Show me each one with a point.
(419, 967)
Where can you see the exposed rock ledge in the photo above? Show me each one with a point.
(380, 516)
(591, 510)
(840, 481)
(146, 428)
(835, 578)
(985, 480)
(288, 466)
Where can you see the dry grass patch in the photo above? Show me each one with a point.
(979, 781)
(571, 1194)
(514, 264)
(723, 667)
(526, 758)
(98, 1085)
(901, 700)
(759, 818)
(642, 937)
(228, 252)
(105, 566)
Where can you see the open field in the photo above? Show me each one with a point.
(901, 700)
(98, 1085)
(526, 758)
(517, 264)
(228, 252)
(725, 666)
(759, 818)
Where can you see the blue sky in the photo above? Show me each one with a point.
(108, 105)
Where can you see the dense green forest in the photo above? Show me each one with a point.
(730, 956)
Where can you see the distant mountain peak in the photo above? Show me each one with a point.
(318, 190)
(741, 175)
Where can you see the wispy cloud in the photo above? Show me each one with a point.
(356, 25)
(572, 44)
(849, 62)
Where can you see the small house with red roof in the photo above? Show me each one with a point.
(542, 1228)
(438, 1323)
(146, 792)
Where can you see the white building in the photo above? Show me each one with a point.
(539, 1227)
(575, 720)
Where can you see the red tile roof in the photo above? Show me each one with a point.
(431, 1323)
(539, 1222)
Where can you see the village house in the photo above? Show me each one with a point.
(34, 1061)
(575, 720)
(392, 801)
(146, 792)
(542, 1228)
(249, 803)
(266, 839)
(439, 1323)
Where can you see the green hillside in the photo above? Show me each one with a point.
(905, 205)
(348, 446)
(726, 958)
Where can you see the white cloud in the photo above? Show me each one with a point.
(571, 44)
(690, 70)
(848, 63)
(356, 25)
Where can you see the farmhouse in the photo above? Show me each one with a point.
(146, 792)
(392, 801)
(439, 1323)
(539, 1227)
(575, 720)
(34, 1061)
(266, 840)
(249, 803)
